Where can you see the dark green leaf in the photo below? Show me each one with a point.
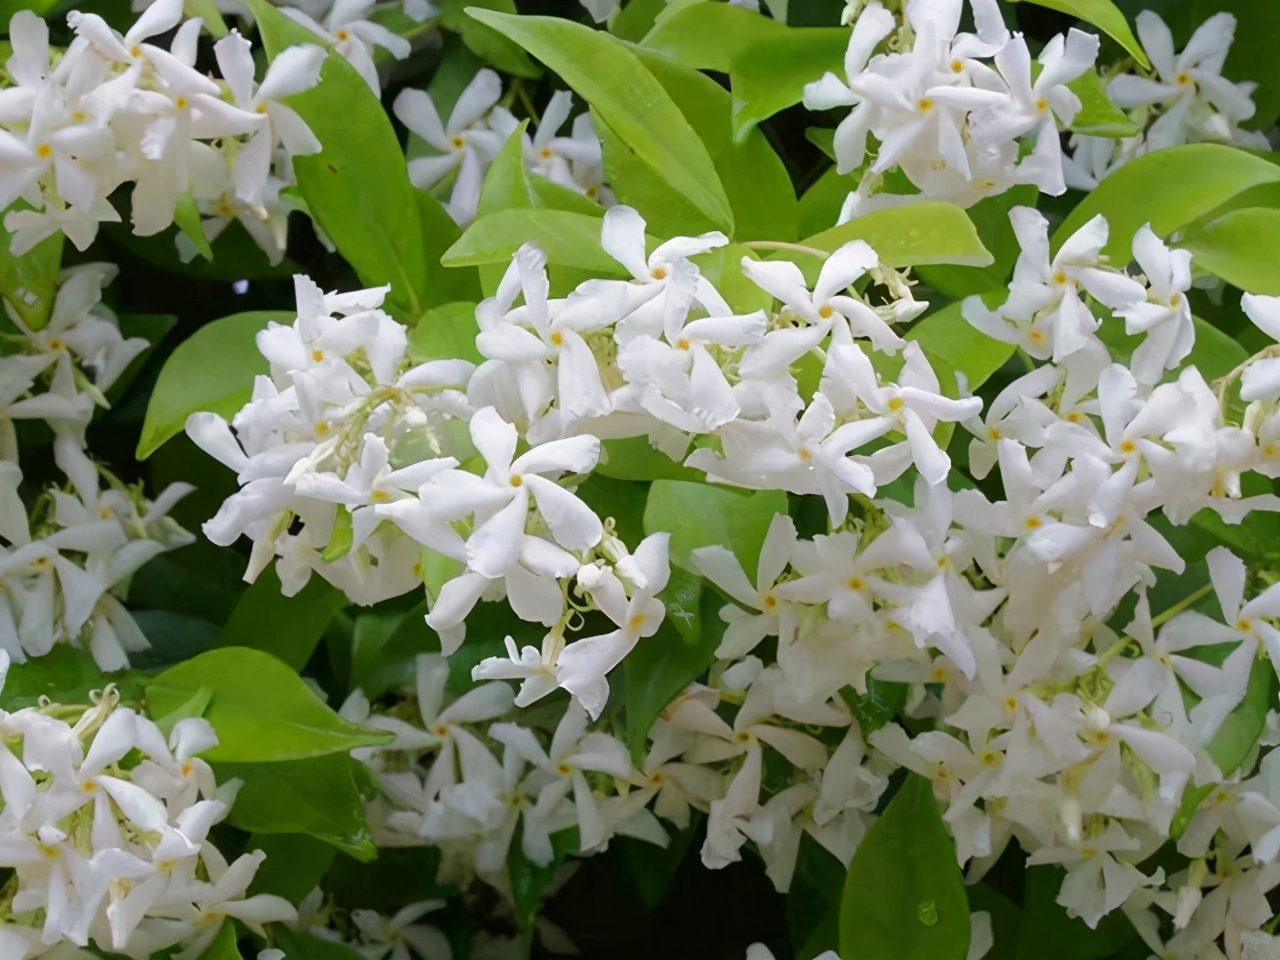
(1044, 921)
(904, 898)
(1104, 15)
(306, 947)
(285, 627)
(294, 866)
(991, 218)
(261, 710)
(190, 383)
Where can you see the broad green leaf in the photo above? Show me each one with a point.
(754, 177)
(485, 42)
(820, 204)
(882, 702)
(770, 75)
(991, 218)
(662, 665)
(508, 184)
(628, 99)
(357, 187)
(922, 233)
(223, 946)
(295, 864)
(1242, 247)
(285, 627)
(568, 239)
(29, 283)
(1231, 745)
(946, 334)
(904, 897)
(706, 36)
(1104, 15)
(189, 383)
(529, 881)
(316, 797)
(1098, 116)
(1044, 921)
(703, 514)
(636, 19)
(439, 233)
(1205, 174)
(306, 947)
(446, 332)
(399, 874)
(634, 459)
(262, 711)
(235, 254)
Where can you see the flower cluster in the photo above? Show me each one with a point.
(1052, 722)
(113, 109)
(476, 130)
(64, 561)
(950, 110)
(1184, 99)
(105, 823)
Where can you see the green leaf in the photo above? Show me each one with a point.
(1206, 175)
(357, 187)
(189, 383)
(662, 665)
(820, 205)
(904, 898)
(770, 75)
(507, 184)
(439, 232)
(1242, 247)
(187, 216)
(1044, 921)
(921, 233)
(341, 539)
(634, 459)
(1233, 742)
(882, 702)
(316, 797)
(223, 946)
(1252, 55)
(1104, 15)
(568, 239)
(946, 334)
(755, 179)
(1098, 116)
(295, 864)
(261, 710)
(446, 332)
(991, 218)
(530, 881)
(485, 42)
(306, 947)
(706, 36)
(703, 514)
(29, 283)
(288, 628)
(628, 99)
(64, 675)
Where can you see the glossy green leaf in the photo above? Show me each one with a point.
(754, 177)
(29, 283)
(991, 219)
(904, 897)
(770, 75)
(948, 335)
(529, 881)
(706, 36)
(1044, 921)
(703, 514)
(357, 187)
(628, 99)
(882, 702)
(634, 459)
(262, 710)
(64, 675)
(295, 864)
(189, 383)
(445, 333)
(306, 947)
(508, 184)
(187, 217)
(662, 665)
(285, 627)
(1098, 116)
(922, 233)
(485, 42)
(1206, 175)
(317, 797)
(568, 239)
(1242, 247)
(1104, 15)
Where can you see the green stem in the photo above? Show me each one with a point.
(1183, 604)
(780, 245)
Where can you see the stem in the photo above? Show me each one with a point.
(1181, 605)
(780, 245)
(1222, 384)
(525, 99)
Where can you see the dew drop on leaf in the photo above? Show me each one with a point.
(927, 911)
